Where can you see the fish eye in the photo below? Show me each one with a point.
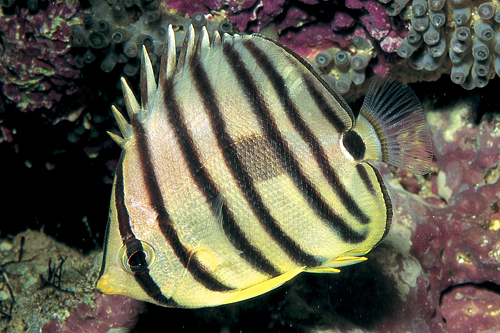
(137, 256)
(354, 145)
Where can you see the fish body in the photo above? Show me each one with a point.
(242, 168)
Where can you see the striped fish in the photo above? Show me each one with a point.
(243, 168)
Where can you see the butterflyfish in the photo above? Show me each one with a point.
(242, 167)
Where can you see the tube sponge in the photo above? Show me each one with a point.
(464, 33)
(346, 66)
(113, 32)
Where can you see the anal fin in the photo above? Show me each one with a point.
(264, 286)
(346, 259)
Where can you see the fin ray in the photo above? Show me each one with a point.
(168, 60)
(123, 125)
(116, 138)
(397, 116)
(187, 51)
(133, 108)
(148, 83)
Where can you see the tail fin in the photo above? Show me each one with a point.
(393, 116)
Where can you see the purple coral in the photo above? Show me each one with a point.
(468, 307)
(454, 230)
(108, 312)
(36, 70)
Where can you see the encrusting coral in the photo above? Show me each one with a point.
(36, 69)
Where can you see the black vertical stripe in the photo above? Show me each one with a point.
(307, 135)
(227, 147)
(388, 204)
(204, 182)
(165, 224)
(318, 97)
(143, 278)
(105, 251)
(144, 84)
(287, 158)
(363, 174)
(121, 209)
(322, 104)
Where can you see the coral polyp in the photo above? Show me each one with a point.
(458, 34)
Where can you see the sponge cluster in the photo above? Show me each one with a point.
(346, 66)
(114, 31)
(461, 32)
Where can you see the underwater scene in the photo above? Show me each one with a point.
(250, 166)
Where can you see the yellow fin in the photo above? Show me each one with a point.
(264, 287)
(322, 270)
(331, 266)
(347, 260)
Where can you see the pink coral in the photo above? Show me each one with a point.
(254, 15)
(194, 6)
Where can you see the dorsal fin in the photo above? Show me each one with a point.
(187, 51)
(133, 108)
(124, 126)
(203, 43)
(168, 59)
(216, 40)
(148, 83)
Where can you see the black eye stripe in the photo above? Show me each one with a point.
(137, 260)
(354, 145)
(137, 257)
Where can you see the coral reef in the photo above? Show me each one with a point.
(36, 70)
(460, 34)
(46, 286)
(113, 33)
(373, 26)
(342, 40)
(343, 68)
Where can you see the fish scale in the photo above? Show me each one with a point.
(242, 168)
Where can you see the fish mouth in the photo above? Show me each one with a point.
(106, 287)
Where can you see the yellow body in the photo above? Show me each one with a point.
(235, 176)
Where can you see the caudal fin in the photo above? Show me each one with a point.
(397, 117)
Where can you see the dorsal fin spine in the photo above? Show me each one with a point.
(203, 44)
(168, 59)
(123, 125)
(216, 40)
(133, 108)
(187, 50)
(116, 138)
(148, 83)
